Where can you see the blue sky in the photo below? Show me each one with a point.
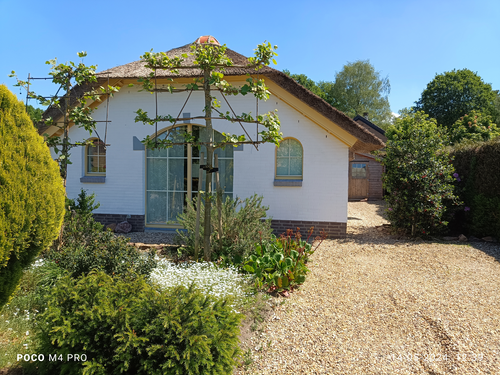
(408, 41)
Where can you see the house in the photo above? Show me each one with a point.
(304, 182)
(365, 172)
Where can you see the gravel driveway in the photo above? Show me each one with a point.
(376, 304)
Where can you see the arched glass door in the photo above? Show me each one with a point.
(172, 175)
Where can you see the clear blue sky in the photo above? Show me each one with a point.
(409, 41)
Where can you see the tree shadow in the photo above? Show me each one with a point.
(372, 236)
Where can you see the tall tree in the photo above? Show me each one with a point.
(35, 114)
(359, 88)
(454, 94)
(308, 83)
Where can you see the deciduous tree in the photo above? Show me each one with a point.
(451, 95)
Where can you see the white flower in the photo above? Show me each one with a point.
(27, 333)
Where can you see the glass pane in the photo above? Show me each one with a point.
(295, 166)
(93, 164)
(282, 166)
(91, 150)
(175, 205)
(100, 148)
(102, 164)
(157, 207)
(283, 150)
(226, 174)
(156, 153)
(157, 174)
(177, 136)
(225, 196)
(195, 174)
(295, 148)
(177, 174)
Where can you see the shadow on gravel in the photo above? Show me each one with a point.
(370, 235)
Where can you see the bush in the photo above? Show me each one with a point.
(477, 186)
(419, 175)
(485, 214)
(242, 227)
(129, 327)
(280, 264)
(474, 127)
(31, 194)
(85, 247)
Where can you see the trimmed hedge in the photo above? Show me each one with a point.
(31, 193)
(478, 184)
(127, 326)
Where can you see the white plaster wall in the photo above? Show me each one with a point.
(322, 196)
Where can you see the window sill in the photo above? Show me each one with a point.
(287, 182)
(93, 179)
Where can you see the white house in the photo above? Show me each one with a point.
(304, 182)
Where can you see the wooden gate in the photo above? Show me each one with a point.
(358, 180)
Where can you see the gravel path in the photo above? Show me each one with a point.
(376, 304)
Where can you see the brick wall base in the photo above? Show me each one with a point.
(137, 221)
(332, 229)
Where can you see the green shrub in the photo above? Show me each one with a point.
(31, 193)
(86, 247)
(242, 227)
(418, 175)
(280, 264)
(477, 186)
(36, 283)
(485, 214)
(126, 326)
(474, 127)
(102, 251)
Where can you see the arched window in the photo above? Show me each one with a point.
(172, 175)
(289, 160)
(95, 158)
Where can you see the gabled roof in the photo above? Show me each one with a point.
(367, 140)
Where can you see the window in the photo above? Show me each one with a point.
(358, 170)
(172, 175)
(289, 160)
(95, 158)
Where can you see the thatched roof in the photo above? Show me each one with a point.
(367, 141)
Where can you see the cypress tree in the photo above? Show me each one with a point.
(31, 193)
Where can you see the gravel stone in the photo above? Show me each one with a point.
(380, 304)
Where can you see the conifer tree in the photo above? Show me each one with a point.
(31, 193)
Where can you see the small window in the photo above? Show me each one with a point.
(358, 170)
(289, 160)
(95, 158)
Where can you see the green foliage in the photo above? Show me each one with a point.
(474, 127)
(477, 185)
(485, 214)
(418, 176)
(451, 95)
(242, 227)
(307, 83)
(280, 264)
(35, 114)
(129, 326)
(359, 88)
(35, 285)
(68, 76)
(31, 194)
(85, 247)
